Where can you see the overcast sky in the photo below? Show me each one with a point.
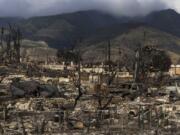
(27, 8)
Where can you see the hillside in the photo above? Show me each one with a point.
(4, 21)
(165, 20)
(129, 42)
(96, 28)
(61, 30)
(58, 30)
(37, 50)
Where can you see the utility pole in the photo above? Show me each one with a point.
(109, 55)
(79, 71)
(136, 72)
(119, 58)
(138, 59)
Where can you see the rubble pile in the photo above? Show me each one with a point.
(38, 106)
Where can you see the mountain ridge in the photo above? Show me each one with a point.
(94, 27)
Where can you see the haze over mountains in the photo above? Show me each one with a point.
(96, 28)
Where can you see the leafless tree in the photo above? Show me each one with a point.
(10, 34)
(16, 37)
(78, 85)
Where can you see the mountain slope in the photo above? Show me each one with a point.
(61, 30)
(4, 21)
(58, 30)
(166, 20)
(96, 28)
(129, 42)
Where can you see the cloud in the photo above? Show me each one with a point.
(174, 4)
(14, 7)
(116, 7)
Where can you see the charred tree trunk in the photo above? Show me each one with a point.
(18, 45)
(79, 80)
(2, 35)
(8, 49)
(16, 36)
